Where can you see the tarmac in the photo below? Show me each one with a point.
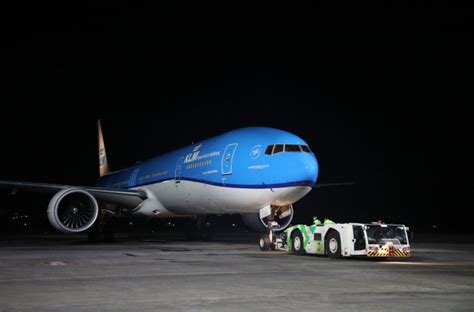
(68, 274)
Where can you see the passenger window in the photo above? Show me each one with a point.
(305, 148)
(278, 148)
(269, 150)
(292, 148)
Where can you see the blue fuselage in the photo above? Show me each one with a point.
(250, 158)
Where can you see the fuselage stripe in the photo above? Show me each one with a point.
(243, 186)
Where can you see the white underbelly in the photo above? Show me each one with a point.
(190, 198)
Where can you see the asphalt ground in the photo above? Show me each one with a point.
(69, 274)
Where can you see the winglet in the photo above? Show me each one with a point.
(103, 163)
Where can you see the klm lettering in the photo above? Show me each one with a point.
(191, 157)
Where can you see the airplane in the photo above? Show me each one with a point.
(257, 172)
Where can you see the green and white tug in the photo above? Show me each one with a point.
(338, 240)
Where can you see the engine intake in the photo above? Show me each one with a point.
(72, 210)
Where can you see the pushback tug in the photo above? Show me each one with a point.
(338, 240)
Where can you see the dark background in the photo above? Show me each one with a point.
(380, 93)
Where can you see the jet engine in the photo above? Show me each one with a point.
(72, 210)
(279, 216)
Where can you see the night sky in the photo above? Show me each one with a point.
(381, 97)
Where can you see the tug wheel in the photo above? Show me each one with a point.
(297, 243)
(333, 245)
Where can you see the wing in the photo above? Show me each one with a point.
(128, 198)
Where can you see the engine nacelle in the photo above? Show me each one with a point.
(72, 210)
(259, 222)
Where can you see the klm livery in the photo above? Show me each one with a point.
(257, 172)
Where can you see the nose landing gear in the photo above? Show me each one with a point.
(271, 241)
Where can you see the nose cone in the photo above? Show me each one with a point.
(305, 169)
(311, 168)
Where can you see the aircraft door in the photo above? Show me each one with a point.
(227, 158)
(177, 172)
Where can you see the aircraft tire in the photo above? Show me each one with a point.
(264, 243)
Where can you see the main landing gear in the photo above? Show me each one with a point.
(102, 230)
(198, 229)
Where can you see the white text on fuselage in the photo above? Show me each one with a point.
(194, 156)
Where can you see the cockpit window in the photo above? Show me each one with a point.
(278, 148)
(269, 149)
(292, 148)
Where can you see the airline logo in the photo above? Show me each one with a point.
(197, 147)
(196, 156)
(256, 151)
(191, 157)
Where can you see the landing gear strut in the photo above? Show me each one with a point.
(198, 229)
(102, 230)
